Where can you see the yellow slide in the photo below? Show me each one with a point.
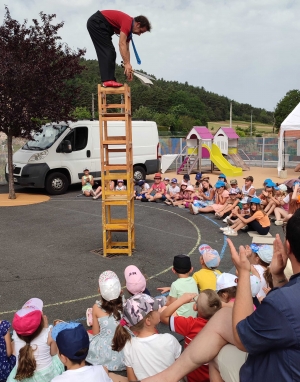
(223, 165)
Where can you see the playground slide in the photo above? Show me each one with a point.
(223, 165)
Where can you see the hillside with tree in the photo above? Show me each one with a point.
(170, 103)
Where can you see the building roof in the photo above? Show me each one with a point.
(203, 132)
(230, 132)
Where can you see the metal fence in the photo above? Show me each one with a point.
(260, 152)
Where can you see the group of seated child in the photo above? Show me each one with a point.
(123, 334)
(88, 183)
(240, 208)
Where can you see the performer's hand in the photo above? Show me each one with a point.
(128, 71)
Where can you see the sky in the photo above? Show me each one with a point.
(246, 50)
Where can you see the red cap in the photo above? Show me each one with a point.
(28, 319)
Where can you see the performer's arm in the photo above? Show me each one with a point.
(125, 53)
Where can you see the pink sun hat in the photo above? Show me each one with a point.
(28, 319)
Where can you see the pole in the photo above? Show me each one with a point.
(93, 107)
(230, 123)
(251, 125)
(263, 153)
(283, 151)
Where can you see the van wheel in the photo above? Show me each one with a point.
(56, 183)
(139, 173)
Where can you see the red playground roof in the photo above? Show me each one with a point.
(203, 132)
(230, 132)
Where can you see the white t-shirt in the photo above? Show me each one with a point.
(174, 190)
(94, 373)
(263, 283)
(151, 355)
(41, 348)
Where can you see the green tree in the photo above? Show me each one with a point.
(36, 72)
(285, 106)
(143, 113)
(81, 113)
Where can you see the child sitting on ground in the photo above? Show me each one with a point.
(209, 259)
(7, 359)
(135, 281)
(182, 267)
(206, 304)
(243, 208)
(106, 315)
(226, 288)
(147, 353)
(120, 185)
(73, 345)
(144, 189)
(172, 192)
(36, 351)
(260, 257)
(230, 204)
(257, 221)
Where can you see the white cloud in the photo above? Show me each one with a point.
(246, 50)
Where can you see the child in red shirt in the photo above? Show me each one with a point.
(207, 304)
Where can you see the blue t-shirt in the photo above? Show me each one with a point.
(271, 336)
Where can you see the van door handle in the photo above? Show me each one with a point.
(88, 153)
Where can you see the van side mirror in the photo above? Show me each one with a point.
(66, 146)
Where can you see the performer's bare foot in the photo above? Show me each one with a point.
(112, 84)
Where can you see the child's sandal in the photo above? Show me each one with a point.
(89, 317)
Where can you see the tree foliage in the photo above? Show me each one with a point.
(171, 103)
(36, 72)
(285, 106)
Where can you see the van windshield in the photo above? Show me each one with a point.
(45, 138)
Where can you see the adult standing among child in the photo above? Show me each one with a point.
(102, 25)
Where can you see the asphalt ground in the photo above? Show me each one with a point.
(46, 250)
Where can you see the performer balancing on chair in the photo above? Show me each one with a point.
(101, 26)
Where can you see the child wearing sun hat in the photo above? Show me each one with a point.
(206, 277)
(106, 314)
(34, 347)
(147, 352)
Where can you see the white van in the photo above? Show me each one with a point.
(59, 153)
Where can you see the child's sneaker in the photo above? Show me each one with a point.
(181, 206)
(193, 209)
(226, 219)
(278, 222)
(89, 317)
(230, 232)
(224, 228)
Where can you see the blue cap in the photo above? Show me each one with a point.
(265, 252)
(222, 176)
(270, 184)
(141, 182)
(71, 337)
(186, 176)
(255, 200)
(198, 176)
(174, 180)
(268, 180)
(254, 247)
(220, 184)
(276, 188)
